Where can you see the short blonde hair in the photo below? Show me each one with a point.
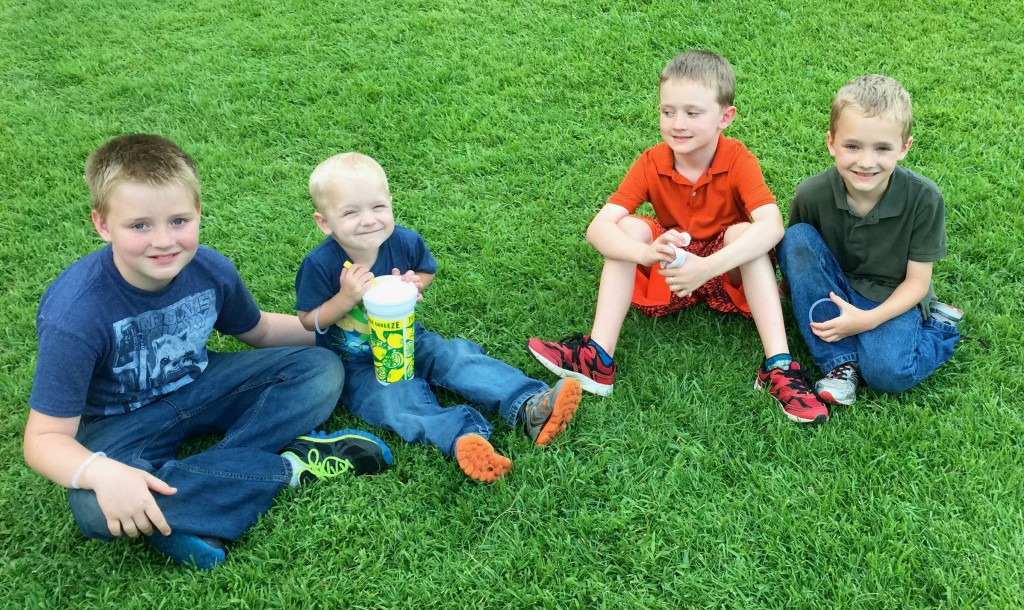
(340, 168)
(142, 158)
(707, 68)
(874, 95)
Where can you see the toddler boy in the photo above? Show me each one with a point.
(701, 183)
(124, 376)
(858, 254)
(353, 208)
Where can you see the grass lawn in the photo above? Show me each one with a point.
(503, 127)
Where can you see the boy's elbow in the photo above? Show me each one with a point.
(772, 229)
(767, 220)
(306, 319)
(31, 448)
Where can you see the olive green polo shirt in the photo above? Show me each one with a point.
(908, 224)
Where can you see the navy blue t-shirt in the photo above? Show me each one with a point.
(107, 347)
(319, 279)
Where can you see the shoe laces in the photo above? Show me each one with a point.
(843, 372)
(575, 342)
(536, 401)
(796, 381)
(326, 467)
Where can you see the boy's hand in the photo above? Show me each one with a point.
(413, 278)
(689, 276)
(850, 321)
(355, 281)
(126, 499)
(661, 250)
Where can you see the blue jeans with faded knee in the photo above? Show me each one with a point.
(893, 357)
(410, 408)
(259, 400)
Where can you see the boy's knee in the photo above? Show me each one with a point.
(436, 356)
(800, 235)
(88, 515)
(323, 380)
(797, 243)
(327, 368)
(637, 229)
(458, 349)
(886, 379)
(733, 232)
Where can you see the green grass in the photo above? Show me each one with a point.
(503, 127)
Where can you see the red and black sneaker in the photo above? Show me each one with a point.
(575, 357)
(791, 389)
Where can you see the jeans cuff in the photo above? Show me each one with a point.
(946, 327)
(478, 430)
(836, 361)
(517, 406)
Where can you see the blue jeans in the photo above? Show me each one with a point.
(410, 409)
(893, 357)
(260, 400)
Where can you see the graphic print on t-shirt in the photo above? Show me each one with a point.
(352, 336)
(161, 350)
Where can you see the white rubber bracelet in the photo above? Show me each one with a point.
(88, 460)
(316, 323)
(810, 312)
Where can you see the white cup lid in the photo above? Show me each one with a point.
(389, 290)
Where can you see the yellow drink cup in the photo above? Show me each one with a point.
(391, 310)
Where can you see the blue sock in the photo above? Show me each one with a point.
(188, 550)
(778, 361)
(605, 358)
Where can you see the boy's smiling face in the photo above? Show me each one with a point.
(866, 150)
(153, 231)
(357, 214)
(691, 117)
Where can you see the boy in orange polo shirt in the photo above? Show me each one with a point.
(701, 185)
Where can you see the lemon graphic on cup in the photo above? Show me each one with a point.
(390, 307)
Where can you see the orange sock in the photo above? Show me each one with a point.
(478, 459)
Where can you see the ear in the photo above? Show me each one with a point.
(322, 223)
(727, 117)
(905, 149)
(830, 143)
(100, 224)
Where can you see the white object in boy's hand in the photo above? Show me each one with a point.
(680, 253)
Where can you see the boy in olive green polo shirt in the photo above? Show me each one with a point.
(859, 250)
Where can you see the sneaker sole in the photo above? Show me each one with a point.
(389, 458)
(566, 402)
(832, 400)
(586, 383)
(794, 418)
(949, 312)
(478, 459)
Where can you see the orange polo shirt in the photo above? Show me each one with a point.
(725, 194)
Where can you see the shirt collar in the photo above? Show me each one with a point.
(893, 201)
(665, 162)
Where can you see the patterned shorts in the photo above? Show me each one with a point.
(652, 297)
